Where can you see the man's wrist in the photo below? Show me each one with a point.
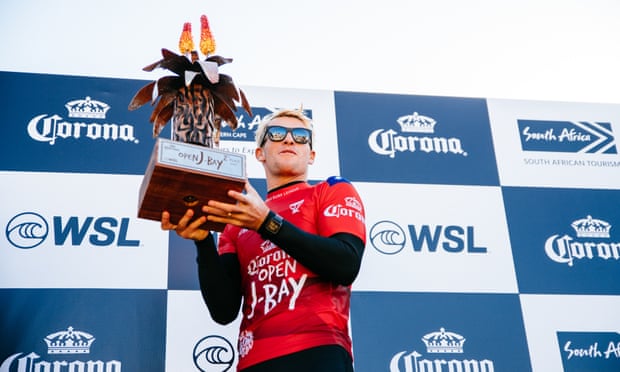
(271, 226)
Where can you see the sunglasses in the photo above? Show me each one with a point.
(277, 133)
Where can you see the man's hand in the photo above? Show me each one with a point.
(191, 231)
(249, 212)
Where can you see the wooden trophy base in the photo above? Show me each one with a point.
(183, 176)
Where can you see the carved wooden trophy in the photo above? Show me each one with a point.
(189, 170)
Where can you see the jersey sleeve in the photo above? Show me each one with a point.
(226, 241)
(340, 209)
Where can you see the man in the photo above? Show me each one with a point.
(291, 258)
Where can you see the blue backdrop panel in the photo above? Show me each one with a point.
(124, 328)
(108, 291)
(590, 351)
(102, 136)
(421, 139)
(556, 248)
(422, 329)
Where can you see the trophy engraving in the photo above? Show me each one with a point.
(189, 170)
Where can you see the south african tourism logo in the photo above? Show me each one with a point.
(85, 124)
(583, 137)
(589, 351)
(66, 350)
(590, 241)
(417, 134)
(445, 351)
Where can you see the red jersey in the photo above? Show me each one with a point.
(287, 307)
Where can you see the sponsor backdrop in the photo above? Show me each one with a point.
(493, 240)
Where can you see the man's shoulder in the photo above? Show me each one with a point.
(333, 184)
(334, 180)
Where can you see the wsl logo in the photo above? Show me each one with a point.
(416, 135)
(590, 351)
(389, 238)
(445, 349)
(213, 354)
(69, 343)
(590, 243)
(49, 128)
(28, 230)
(567, 136)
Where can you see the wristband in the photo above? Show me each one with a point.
(272, 224)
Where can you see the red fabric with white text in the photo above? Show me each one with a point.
(287, 308)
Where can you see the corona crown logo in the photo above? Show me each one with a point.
(69, 342)
(416, 123)
(591, 228)
(443, 342)
(87, 108)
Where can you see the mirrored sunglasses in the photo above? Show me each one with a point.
(277, 133)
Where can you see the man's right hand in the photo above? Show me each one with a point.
(191, 231)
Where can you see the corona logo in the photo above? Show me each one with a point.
(416, 123)
(69, 342)
(352, 202)
(444, 343)
(591, 228)
(416, 135)
(52, 127)
(567, 249)
(87, 108)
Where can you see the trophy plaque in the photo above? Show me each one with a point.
(188, 171)
(183, 176)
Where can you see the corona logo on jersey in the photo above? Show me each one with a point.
(441, 346)
(351, 208)
(416, 134)
(29, 230)
(85, 126)
(388, 237)
(590, 243)
(567, 136)
(63, 345)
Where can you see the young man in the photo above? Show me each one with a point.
(291, 258)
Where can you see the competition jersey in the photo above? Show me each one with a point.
(286, 307)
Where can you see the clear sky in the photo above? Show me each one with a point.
(559, 50)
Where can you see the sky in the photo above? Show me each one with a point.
(552, 50)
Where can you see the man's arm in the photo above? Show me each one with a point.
(336, 258)
(220, 281)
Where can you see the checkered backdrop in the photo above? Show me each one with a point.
(491, 242)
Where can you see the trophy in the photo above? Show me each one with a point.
(189, 170)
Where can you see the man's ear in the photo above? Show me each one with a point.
(259, 154)
(312, 155)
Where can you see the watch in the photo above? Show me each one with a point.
(273, 223)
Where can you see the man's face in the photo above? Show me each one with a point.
(287, 157)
